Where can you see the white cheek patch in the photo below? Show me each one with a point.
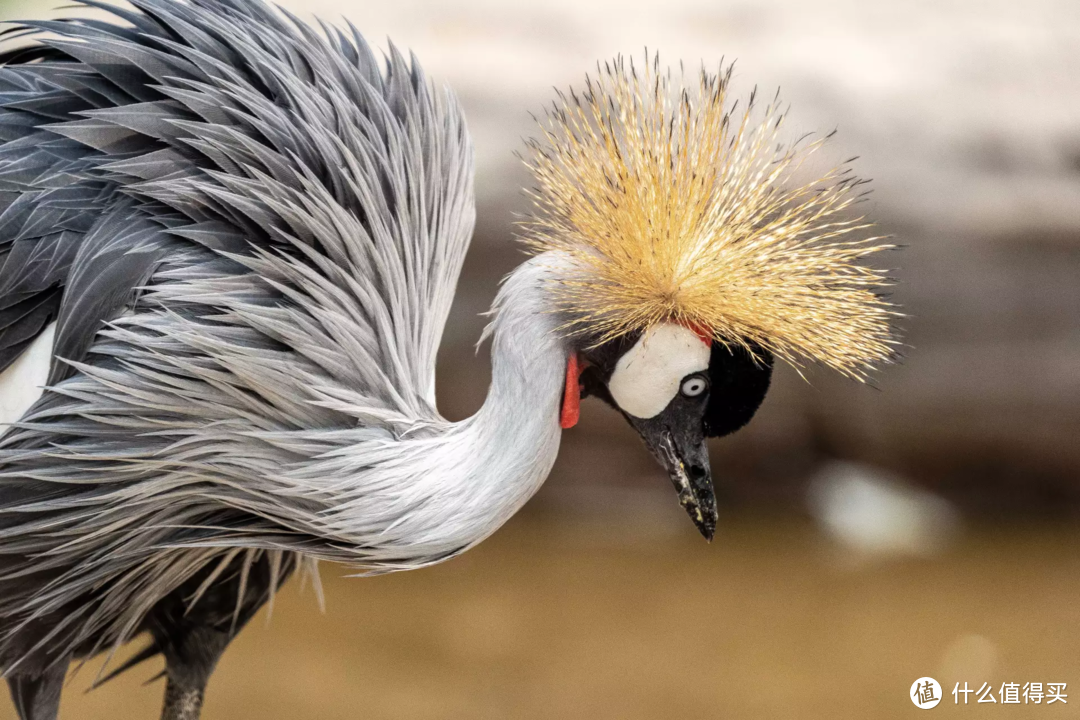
(648, 376)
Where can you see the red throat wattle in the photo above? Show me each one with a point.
(571, 404)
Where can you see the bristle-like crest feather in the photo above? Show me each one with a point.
(676, 206)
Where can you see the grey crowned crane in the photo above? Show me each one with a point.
(228, 246)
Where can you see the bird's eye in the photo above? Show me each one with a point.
(693, 386)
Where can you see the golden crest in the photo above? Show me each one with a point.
(677, 207)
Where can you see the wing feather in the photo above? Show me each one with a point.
(178, 113)
(249, 235)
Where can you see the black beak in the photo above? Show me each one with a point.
(677, 441)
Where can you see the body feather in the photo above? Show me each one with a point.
(248, 234)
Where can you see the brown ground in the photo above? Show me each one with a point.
(559, 620)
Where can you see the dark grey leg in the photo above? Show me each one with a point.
(37, 697)
(188, 666)
(182, 702)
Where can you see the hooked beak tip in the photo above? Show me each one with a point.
(708, 532)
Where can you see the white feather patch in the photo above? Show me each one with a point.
(24, 380)
(648, 376)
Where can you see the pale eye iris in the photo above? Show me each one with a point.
(692, 387)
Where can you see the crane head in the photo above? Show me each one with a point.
(677, 388)
(696, 240)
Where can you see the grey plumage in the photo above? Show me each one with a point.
(249, 234)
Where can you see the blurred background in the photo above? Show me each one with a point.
(870, 535)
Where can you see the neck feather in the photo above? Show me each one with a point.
(428, 497)
(515, 435)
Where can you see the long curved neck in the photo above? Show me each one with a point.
(517, 428)
(515, 435)
(428, 496)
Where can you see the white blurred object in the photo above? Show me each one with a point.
(877, 514)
